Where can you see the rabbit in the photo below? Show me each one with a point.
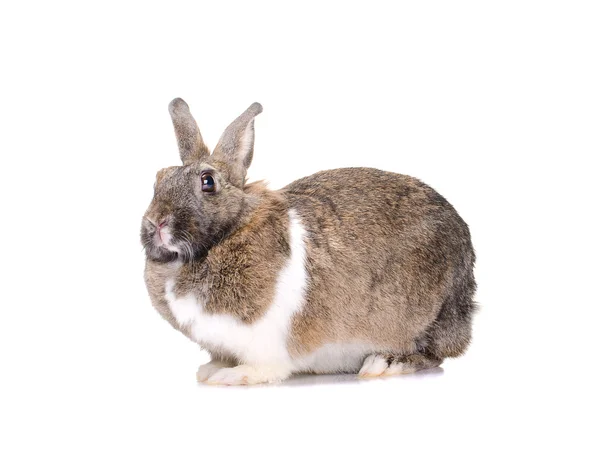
(352, 270)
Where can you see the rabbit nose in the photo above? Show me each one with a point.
(162, 224)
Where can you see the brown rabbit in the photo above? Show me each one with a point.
(347, 270)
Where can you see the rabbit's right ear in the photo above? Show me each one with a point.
(189, 139)
(236, 146)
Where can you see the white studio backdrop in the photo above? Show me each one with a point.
(494, 104)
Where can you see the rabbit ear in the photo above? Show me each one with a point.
(236, 145)
(189, 139)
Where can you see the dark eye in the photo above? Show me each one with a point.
(208, 183)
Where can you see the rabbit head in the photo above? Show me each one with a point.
(197, 204)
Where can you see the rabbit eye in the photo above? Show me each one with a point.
(208, 183)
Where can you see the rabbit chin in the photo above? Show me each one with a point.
(161, 254)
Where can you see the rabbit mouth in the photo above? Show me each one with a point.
(164, 239)
(158, 242)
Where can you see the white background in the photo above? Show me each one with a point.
(494, 104)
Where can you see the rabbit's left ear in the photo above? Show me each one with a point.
(189, 140)
(236, 145)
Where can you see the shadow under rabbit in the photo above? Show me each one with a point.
(308, 380)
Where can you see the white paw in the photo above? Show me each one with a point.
(206, 370)
(374, 366)
(245, 375)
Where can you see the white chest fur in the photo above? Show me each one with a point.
(263, 342)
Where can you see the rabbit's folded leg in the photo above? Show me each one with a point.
(210, 368)
(411, 363)
(248, 375)
(376, 365)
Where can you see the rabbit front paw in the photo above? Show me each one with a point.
(246, 375)
(207, 370)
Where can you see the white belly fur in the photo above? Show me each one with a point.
(264, 343)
